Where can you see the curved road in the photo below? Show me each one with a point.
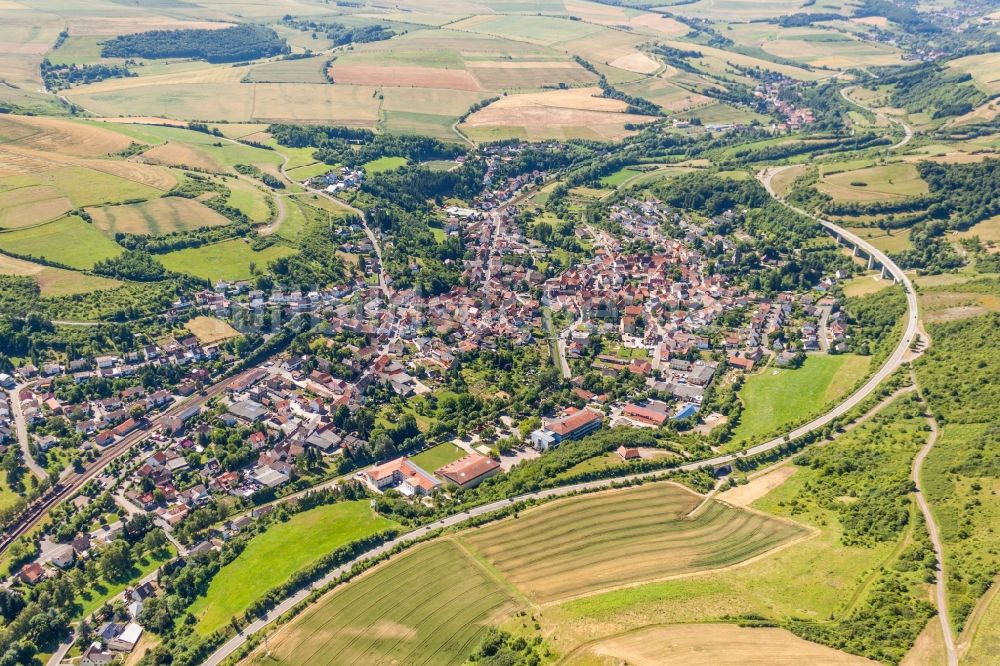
(892, 364)
(907, 130)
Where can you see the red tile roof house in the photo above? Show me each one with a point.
(628, 453)
(574, 425)
(403, 474)
(469, 471)
(32, 573)
(644, 415)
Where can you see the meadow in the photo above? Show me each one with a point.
(399, 614)
(284, 548)
(68, 241)
(210, 330)
(879, 183)
(228, 260)
(775, 397)
(155, 217)
(610, 540)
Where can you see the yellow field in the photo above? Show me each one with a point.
(26, 206)
(209, 330)
(711, 645)
(155, 217)
(55, 281)
(984, 68)
(181, 155)
(572, 113)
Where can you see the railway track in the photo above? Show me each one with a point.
(65, 489)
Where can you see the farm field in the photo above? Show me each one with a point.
(55, 281)
(68, 241)
(893, 240)
(228, 260)
(155, 217)
(272, 557)
(576, 546)
(730, 645)
(892, 181)
(561, 114)
(776, 396)
(819, 578)
(399, 614)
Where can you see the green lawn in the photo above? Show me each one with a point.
(384, 164)
(272, 557)
(620, 176)
(228, 260)
(69, 241)
(438, 456)
(775, 397)
(96, 594)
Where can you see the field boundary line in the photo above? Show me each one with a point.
(469, 551)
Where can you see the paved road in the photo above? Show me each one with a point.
(940, 592)
(21, 425)
(907, 130)
(892, 364)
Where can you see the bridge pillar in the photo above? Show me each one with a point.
(883, 272)
(854, 251)
(871, 261)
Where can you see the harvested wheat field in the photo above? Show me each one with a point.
(419, 77)
(712, 645)
(155, 217)
(431, 605)
(181, 155)
(62, 137)
(576, 113)
(55, 281)
(574, 547)
(756, 488)
(26, 206)
(637, 62)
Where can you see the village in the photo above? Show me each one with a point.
(647, 322)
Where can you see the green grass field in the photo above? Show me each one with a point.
(890, 181)
(270, 558)
(432, 605)
(69, 241)
(228, 260)
(384, 164)
(607, 540)
(251, 200)
(776, 396)
(94, 596)
(438, 456)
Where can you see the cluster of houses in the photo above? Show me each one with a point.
(335, 180)
(406, 476)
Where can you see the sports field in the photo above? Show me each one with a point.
(438, 456)
(272, 557)
(432, 605)
(228, 260)
(778, 396)
(157, 216)
(614, 539)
